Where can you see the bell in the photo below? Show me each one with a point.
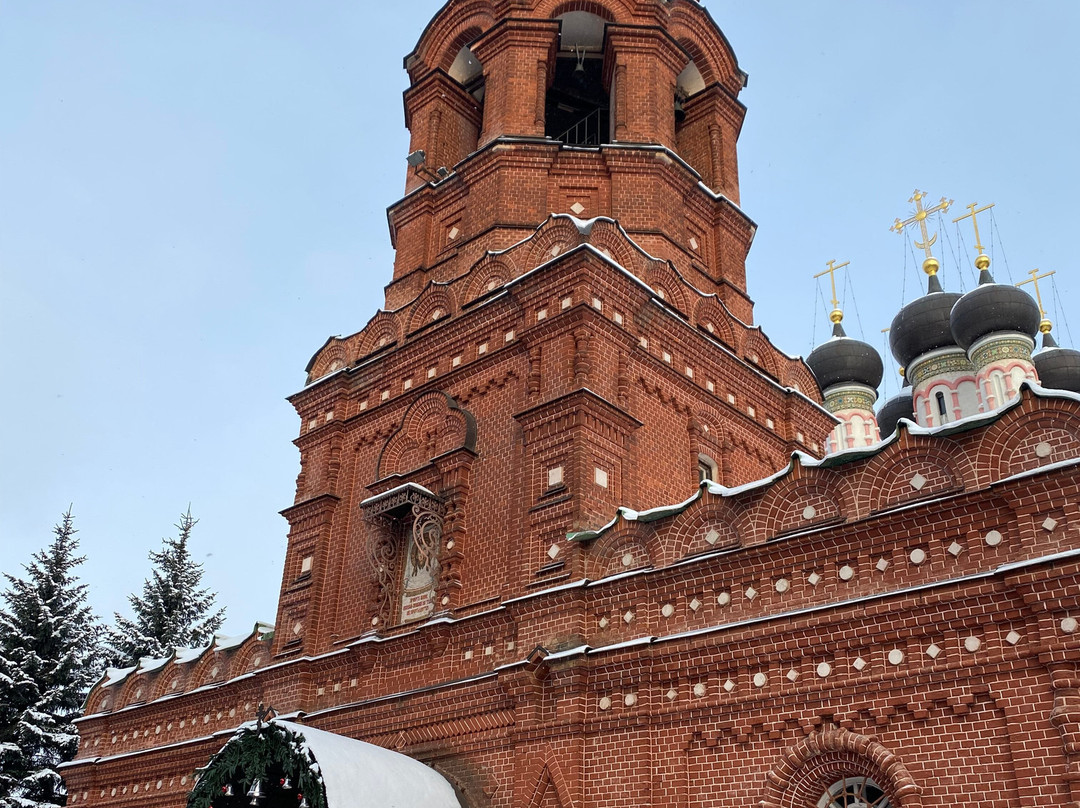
(286, 783)
(256, 792)
(227, 790)
(303, 802)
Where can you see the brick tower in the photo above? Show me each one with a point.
(485, 570)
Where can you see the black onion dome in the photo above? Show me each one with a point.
(993, 308)
(897, 407)
(843, 360)
(1058, 368)
(923, 325)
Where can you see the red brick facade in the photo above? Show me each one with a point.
(566, 336)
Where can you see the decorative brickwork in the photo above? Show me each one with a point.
(503, 558)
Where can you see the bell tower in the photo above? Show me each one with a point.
(566, 331)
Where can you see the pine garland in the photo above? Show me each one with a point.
(269, 753)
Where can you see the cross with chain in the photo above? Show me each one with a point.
(973, 215)
(1045, 326)
(837, 316)
(919, 218)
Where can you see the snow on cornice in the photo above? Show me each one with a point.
(841, 459)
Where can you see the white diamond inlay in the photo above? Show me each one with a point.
(693, 243)
(454, 233)
(713, 536)
(918, 482)
(729, 685)
(628, 618)
(553, 551)
(956, 548)
(604, 622)
(859, 663)
(882, 564)
(792, 675)
(814, 579)
(751, 593)
(934, 651)
(1012, 638)
(671, 694)
(578, 208)
(695, 604)
(1050, 525)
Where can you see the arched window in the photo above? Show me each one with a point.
(707, 469)
(854, 792)
(469, 73)
(942, 408)
(577, 106)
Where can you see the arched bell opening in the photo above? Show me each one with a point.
(469, 73)
(578, 103)
(689, 83)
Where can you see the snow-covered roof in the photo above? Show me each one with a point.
(361, 775)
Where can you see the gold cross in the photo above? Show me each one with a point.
(919, 218)
(837, 315)
(975, 221)
(1045, 326)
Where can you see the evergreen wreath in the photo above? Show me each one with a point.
(268, 753)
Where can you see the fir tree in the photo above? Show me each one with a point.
(172, 611)
(49, 652)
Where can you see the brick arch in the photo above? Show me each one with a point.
(757, 345)
(804, 771)
(555, 232)
(800, 378)
(609, 10)
(606, 555)
(467, 785)
(888, 479)
(381, 330)
(784, 505)
(139, 683)
(706, 45)
(709, 311)
(332, 357)
(1009, 446)
(202, 671)
(661, 276)
(688, 531)
(454, 26)
(546, 774)
(491, 269)
(98, 699)
(172, 672)
(434, 303)
(433, 425)
(607, 235)
(244, 656)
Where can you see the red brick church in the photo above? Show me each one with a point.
(570, 532)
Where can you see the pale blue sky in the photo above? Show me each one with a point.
(193, 194)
